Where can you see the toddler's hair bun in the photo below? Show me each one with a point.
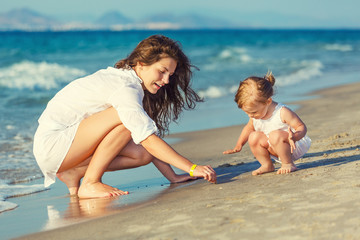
(270, 77)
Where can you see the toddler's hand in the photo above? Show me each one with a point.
(291, 140)
(231, 151)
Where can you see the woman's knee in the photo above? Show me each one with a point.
(121, 131)
(146, 158)
(137, 153)
(143, 158)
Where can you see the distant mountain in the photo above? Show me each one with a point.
(190, 21)
(113, 18)
(26, 19)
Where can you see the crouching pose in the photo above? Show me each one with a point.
(273, 130)
(114, 118)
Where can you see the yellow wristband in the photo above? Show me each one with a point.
(191, 173)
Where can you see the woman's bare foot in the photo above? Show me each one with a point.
(287, 168)
(98, 190)
(72, 178)
(263, 169)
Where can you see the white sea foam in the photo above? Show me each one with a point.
(27, 74)
(306, 70)
(338, 47)
(6, 206)
(10, 190)
(212, 92)
(234, 53)
(217, 92)
(229, 55)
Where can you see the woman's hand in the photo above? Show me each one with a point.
(182, 178)
(231, 151)
(206, 172)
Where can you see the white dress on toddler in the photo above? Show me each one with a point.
(275, 123)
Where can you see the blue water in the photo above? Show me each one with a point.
(34, 66)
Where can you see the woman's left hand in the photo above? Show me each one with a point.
(207, 172)
(182, 178)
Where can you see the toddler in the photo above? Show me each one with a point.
(273, 130)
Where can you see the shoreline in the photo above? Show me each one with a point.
(312, 203)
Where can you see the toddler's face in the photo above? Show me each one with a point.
(257, 111)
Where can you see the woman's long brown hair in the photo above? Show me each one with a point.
(167, 104)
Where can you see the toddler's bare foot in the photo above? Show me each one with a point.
(98, 190)
(263, 169)
(287, 168)
(72, 178)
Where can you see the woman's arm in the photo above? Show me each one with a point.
(169, 173)
(162, 151)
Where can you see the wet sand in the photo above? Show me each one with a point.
(319, 201)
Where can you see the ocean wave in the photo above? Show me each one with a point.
(302, 71)
(306, 70)
(8, 191)
(229, 55)
(33, 75)
(339, 47)
(234, 53)
(217, 92)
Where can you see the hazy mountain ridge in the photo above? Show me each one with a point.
(25, 19)
(22, 19)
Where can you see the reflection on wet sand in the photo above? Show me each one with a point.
(79, 210)
(92, 207)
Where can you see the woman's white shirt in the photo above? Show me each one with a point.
(119, 88)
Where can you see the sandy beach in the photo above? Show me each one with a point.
(319, 201)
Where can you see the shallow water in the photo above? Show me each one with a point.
(34, 66)
(54, 208)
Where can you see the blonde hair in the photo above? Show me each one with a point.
(255, 90)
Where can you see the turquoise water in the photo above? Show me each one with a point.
(34, 66)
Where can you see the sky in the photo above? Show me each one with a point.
(256, 13)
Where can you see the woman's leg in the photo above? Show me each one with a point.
(280, 144)
(259, 147)
(101, 136)
(131, 156)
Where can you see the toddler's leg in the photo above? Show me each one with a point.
(280, 144)
(259, 147)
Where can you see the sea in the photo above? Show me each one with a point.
(35, 65)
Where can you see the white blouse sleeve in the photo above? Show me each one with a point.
(128, 103)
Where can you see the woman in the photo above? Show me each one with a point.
(112, 120)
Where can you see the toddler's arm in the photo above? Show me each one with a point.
(243, 138)
(294, 121)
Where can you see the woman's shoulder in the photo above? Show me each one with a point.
(118, 77)
(115, 72)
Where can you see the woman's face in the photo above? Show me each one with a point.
(156, 75)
